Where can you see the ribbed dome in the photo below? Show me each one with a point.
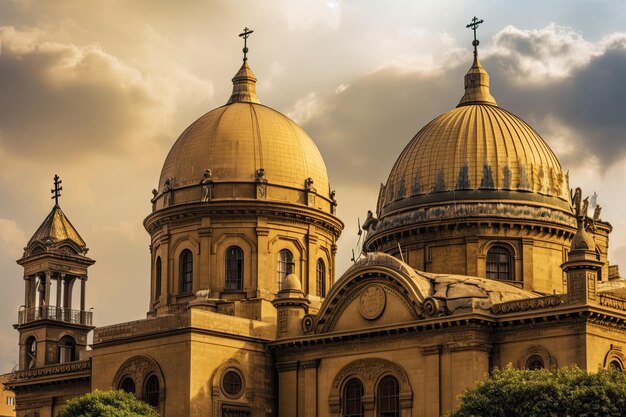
(241, 138)
(475, 151)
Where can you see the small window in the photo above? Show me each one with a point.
(285, 266)
(66, 350)
(234, 268)
(321, 278)
(158, 269)
(499, 264)
(353, 399)
(186, 272)
(535, 362)
(10, 400)
(232, 384)
(151, 391)
(128, 385)
(388, 397)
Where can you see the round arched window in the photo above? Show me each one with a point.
(157, 278)
(535, 362)
(388, 397)
(66, 350)
(353, 399)
(285, 266)
(499, 264)
(234, 269)
(186, 272)
(321, 278)
(615, 364)
(128, 385)
(232, 384)
(151, 391)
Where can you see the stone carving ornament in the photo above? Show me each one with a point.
(138, 368)
(372, 302)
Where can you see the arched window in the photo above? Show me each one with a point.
(128, 385)
(353, 399)
(321, 278)
(388, 397)
(615, 364)
(535, 362)
(30, 361)
(285, 265)
(66, 350)
(158, 269)
(499, 264)
(234, 268)
(151, 391)
(186, 272)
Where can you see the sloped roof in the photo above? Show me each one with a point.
(56, 228)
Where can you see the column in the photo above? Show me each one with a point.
(167, 265)
(263, 260)
(311, 264)
(48, 287)
(431, 396)
(67, 297)
(83, 284)
(83, 313)
(59, 304)
(27, 288)
(287, 389)
(310, 387)
(204, 267)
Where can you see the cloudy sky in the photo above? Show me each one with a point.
(99, 91)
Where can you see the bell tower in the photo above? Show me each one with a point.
(52, 328)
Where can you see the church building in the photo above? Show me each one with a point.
(477, 255)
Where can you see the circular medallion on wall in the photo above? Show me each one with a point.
(372, 302)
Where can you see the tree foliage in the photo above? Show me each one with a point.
(107, 404)
(564, 392)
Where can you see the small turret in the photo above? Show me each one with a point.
(53, 330)
(582, 263)
(292, 306)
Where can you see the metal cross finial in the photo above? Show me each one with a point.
(56, 191)
(246, 33)
(474, 25)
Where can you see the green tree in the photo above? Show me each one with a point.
(564, 392)
(107, 404)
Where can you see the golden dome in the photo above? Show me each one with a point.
(245, 142)
(477, 151)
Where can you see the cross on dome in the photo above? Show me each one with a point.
(473, 25)
(245, 35)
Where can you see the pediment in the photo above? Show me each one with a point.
(380, 292)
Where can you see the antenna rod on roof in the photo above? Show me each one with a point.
(401, 254)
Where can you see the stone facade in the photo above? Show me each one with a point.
(245, 317)
(7, 398)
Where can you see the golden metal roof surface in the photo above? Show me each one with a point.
(238, 139)
(57, 227)
(476, 146)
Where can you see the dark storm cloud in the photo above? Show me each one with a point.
(551, 78)
(60, 99)
(361, 130)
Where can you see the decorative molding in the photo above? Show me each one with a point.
(549, 361)
(370, 372)
(615, 354)
(57, 369)
(610, 301)
(549, 301)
